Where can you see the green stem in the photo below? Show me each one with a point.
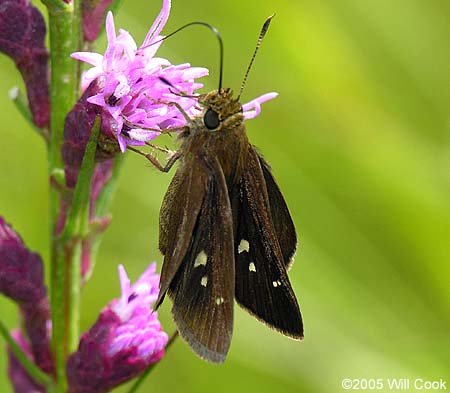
(116, 4)
(63, 42)
(78, 217)
(58, 294)
(64, 30)
(74, 232)
(73, 333)
(105, 198)
(145, 374)
(68, 264)
(55, 6)
(34, 371)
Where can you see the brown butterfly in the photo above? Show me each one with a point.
(225, 231)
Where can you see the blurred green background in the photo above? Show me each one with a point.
(359, 141)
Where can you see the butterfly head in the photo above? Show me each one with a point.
(221, 110)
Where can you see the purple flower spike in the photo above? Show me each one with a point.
(21, 279)
(125, 340)
(253, 108)
(22, 37)
(18, 376)
(138, 86)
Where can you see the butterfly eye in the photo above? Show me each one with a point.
(211, 119)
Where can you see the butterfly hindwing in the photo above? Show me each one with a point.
(203, 289)
(262, 286)
(281, 218)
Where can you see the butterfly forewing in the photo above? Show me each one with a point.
(203, 289)
(179, 212)
(262, 286)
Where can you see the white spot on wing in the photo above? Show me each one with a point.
(201, 259)
(204, 281)
(252, 267)
(244, 245)
(219, 300)
(276, 283)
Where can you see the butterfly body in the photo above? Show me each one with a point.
(225, 233)
(227, 141)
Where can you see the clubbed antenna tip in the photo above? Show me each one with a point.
(258, 44)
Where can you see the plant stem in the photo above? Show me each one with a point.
(68, 258)
(64, 30)
(55, 6)
(75, 231)
(34, 371)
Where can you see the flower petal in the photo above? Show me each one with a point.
(253, 108)
(158, 24)
(92, 58)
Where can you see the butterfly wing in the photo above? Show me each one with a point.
(203, 288)
(262, 286)
(178, 216)
(281, 218)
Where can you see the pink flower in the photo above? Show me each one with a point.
(253, 108)
(139, 323)
(135, 94)
(124, 341)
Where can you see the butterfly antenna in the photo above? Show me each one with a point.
(210, 27)
(258, 44)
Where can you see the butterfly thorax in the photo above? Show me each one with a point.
(227, 141)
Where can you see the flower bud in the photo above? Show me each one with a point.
(93, 16)
(22, 37)
(22, 280)
(17, 374)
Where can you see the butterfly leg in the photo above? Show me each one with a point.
(154, 160)
(182, 111)
(162, 149)
(176, 105)
(164, 131)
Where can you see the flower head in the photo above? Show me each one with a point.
(124, 341)
(135, 92)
